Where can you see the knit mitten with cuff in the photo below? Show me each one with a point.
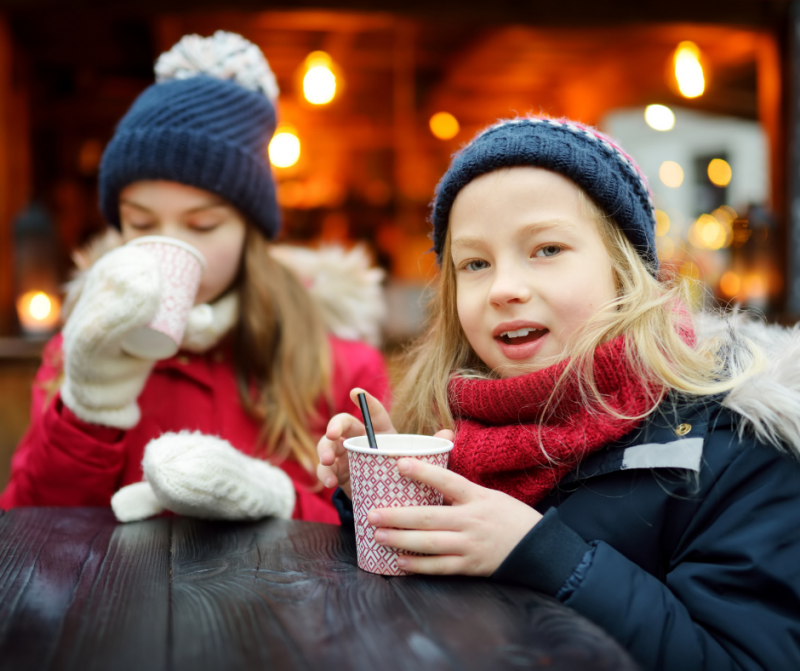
(102, 382)
(206, 477)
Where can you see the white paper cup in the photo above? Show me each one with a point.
(376, 483)
(181, 267)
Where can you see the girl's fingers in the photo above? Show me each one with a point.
(336, 475)
(425, 542)
(380, 418)
(416, 517)
(344, 425)
(455, 488)
(327, 451)
(327, 476)
(332, 476)
(442, 565)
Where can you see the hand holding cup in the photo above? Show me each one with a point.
(334, 469)
(181, 267)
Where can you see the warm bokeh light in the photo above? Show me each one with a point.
(319, 82)
(730, 283)
(688, 71)
(40, 306)
(719, 172)
(725, 214)
(659, 117)
(37, 311)
(284, 149)
(662, 223)
(444, 125)
(665, 248)
(671, 174)
(755, 286)
(710, 233)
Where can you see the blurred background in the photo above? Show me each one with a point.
(375, 98)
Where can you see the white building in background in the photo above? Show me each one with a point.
(699, 235)
(696, 135)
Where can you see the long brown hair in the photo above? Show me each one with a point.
(281, 356)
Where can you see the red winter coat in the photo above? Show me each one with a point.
(63, 461)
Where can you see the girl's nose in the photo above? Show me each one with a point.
(509, 287)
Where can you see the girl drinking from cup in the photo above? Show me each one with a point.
(607, 452)
(228, 427)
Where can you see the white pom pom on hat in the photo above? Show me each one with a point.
(224, 55)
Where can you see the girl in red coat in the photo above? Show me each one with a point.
(228, 427)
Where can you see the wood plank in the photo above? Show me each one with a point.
(79, 591)
(288, 595)
(43, 553)
(494, 625)
(285, 595)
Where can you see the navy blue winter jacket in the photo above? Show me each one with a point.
(681, 540)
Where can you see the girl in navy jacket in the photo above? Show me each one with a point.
(610, 449)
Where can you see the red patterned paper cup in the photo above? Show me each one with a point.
(376, 483)
(182, 267)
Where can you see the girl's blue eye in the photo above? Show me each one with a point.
(476, 265)
(548, 250)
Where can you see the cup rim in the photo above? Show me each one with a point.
(166, 240)
(352, 445)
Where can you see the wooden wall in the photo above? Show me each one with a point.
(14, 165)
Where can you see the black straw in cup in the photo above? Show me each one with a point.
(362, 401)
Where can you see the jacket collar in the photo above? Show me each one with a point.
(671, 438)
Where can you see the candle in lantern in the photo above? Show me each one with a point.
(35, 271)
(38, 312)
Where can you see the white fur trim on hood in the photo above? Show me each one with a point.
(347, 290)
(769, 400)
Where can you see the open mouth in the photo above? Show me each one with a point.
(522, 336)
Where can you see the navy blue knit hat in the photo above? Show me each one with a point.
(206, 123)
(589, 158)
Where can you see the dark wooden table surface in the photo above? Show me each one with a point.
(78, 591)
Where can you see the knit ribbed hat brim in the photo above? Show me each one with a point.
(195, 159)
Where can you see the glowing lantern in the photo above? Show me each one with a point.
(319, 81)
(688, 71)
(284, 148)
(38, 312)
(659, 117)
(444, 125)
(36, 279)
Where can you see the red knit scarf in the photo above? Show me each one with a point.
(499, 437)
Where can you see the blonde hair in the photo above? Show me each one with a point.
(653, 313)
(281, 353)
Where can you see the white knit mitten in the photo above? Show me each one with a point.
(101, 382)
(202, 476)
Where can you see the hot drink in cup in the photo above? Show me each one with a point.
(376, 483)
(181, 267)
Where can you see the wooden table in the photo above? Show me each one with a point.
(78, 591)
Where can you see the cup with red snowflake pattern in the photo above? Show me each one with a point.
(181, 268)
(376, 483)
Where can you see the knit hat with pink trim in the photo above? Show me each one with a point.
(589, 158)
